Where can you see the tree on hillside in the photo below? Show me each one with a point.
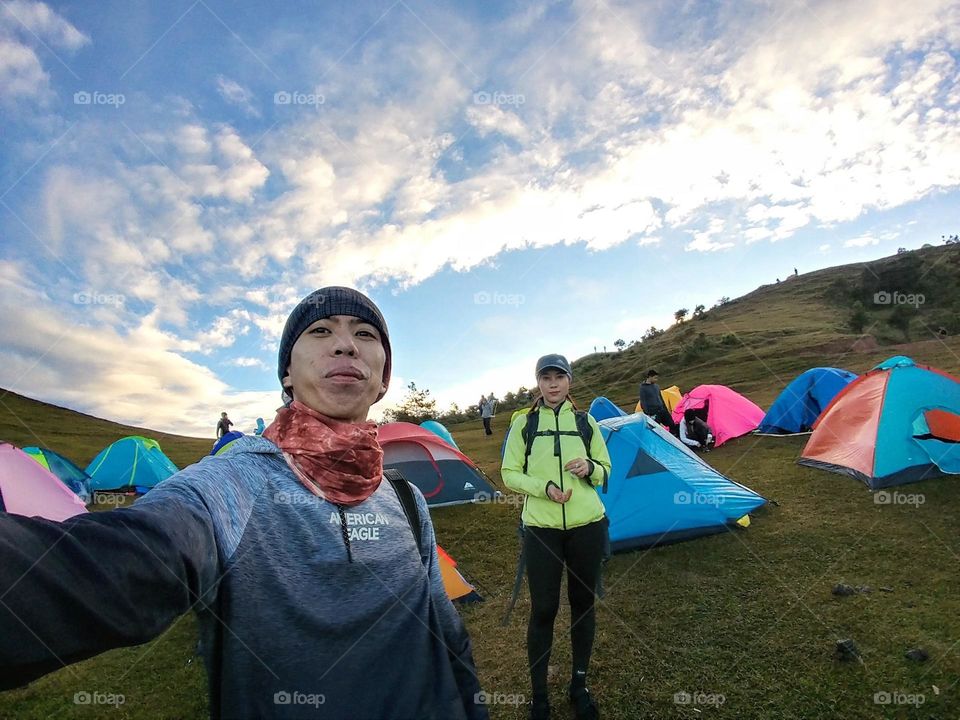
(415, 407)
(950, 239)
(722, 301)
(900, 319)
(652, 333)
(680, 315)
(698, 311)
(858, 318)
(620, 344)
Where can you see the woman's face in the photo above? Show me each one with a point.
(554, 386)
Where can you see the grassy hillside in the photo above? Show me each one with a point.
(80, 437)
(759, 342)
(746, 619)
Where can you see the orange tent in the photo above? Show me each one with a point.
(457, 588)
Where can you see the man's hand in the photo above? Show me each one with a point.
(579, 467)
(557, 495)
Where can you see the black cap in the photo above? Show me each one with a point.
(558, 362)
(652, 373)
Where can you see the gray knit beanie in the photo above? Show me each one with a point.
(324, 303)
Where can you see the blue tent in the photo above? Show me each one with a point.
(225, 440)
(131, 462)
(603, 409)
(801, 402)
(661, 492)
(440, 431)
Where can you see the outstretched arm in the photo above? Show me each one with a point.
(73, 589)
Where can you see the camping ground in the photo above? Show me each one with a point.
(737, 625)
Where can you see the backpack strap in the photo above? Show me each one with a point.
(586, 434)
(409, 503)
(529, 434)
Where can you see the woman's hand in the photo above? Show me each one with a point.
(579, 467)
(557, 495)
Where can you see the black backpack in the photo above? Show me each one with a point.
(407, 501)
(530, 432)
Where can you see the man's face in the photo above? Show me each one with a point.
(336, 367)
(554, 386)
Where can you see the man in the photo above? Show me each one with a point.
(313, 597)
(223, 427)
(487, 406)
(652, 404)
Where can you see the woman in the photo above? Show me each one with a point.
(548, 459)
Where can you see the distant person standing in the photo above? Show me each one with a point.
(652, 404)
(223, 427)
(487, 406)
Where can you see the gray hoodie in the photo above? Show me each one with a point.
(289, 627)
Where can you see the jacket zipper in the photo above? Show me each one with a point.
(556, 417)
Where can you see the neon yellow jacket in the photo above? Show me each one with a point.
(584, 506)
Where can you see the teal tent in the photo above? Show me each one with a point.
(68, 473)
(131, 462)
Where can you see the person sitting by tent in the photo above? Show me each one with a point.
(309, 575)
(223, 427)
(564, 525)
(694, 432)
(651, 401)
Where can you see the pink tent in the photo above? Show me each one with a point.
(28, 488)
(729, 414)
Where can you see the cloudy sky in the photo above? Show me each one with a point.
(505, 179)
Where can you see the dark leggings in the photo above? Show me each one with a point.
(547, 550)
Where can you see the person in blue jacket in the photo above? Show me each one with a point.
(313, 596)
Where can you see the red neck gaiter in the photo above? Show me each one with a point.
(337, 461)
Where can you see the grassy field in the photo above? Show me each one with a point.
(742, 624)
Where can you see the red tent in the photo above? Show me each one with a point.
(444, 475)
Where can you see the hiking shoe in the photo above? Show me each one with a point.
(583, 705)
(539, 709)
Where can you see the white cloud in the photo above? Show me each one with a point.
(249, 362)
(37, 18)
(862, 241)
(23, 24)
(21, 74)
(235, 94)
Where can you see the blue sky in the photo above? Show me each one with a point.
(505, 179)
